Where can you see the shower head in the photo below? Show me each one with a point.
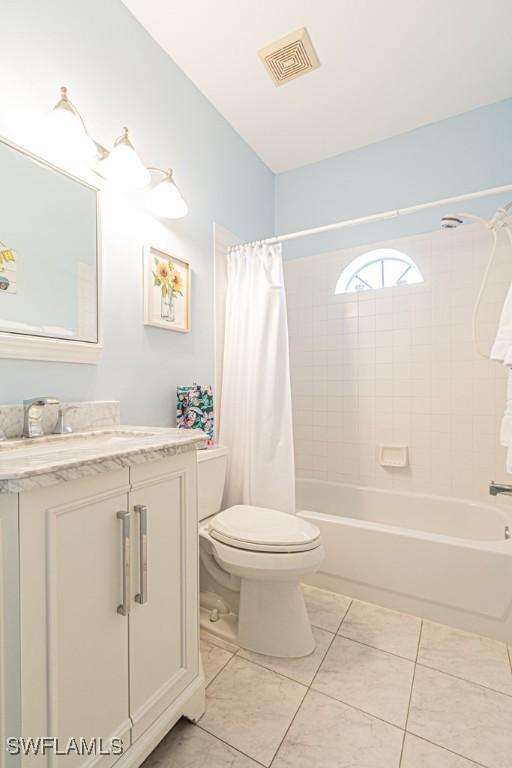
(454, 220)
(451, 222)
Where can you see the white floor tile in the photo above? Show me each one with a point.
(251, 708)
(464, 717)
(388, 630)
(475, 658)
(460, 710)
(187, 746)
(214, 659)
(302, 670)
(422, 754)
(328, 734)
(326, 609)
(372, 680)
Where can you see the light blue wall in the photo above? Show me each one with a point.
(119, 76)
(462, 154)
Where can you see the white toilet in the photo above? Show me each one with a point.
(252, 563)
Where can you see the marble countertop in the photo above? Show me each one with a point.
(39, 462)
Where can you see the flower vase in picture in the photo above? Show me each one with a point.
(169, 280)
(167, 307)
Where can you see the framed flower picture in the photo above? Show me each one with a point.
(166, 290)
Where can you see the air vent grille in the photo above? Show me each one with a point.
(290, 57)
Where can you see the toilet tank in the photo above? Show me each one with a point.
(211, 475)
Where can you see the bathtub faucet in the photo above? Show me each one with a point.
(496, 488)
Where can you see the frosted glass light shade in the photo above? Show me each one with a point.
(165, 200)
(66, 134)
(123, 166)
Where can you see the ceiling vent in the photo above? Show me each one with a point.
(290, 57)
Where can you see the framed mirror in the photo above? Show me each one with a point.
(49, 261)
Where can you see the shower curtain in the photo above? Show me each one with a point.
(256, 409)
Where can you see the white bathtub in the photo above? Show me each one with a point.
(445, 559)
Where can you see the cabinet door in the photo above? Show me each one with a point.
(164, 654)
(72, 584)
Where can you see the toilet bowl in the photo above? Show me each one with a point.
(252, 562)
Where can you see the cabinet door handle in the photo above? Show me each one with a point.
(142, 596)
(125, 517)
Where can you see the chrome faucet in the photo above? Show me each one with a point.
(33, 415)
(62, 426)
(496, 488)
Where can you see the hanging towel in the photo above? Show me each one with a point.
(194, 409)
(502, 347)
(506, 422)
(502, 352)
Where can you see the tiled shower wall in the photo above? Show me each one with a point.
(397, 366)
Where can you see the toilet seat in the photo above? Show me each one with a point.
(258, 529)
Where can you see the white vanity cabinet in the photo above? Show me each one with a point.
(104, 636)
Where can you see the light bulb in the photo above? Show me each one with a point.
(66, 133)
(165, 200)
(123, 166)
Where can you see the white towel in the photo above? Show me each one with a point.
(502, 347)
(502, 353)
(506, 424)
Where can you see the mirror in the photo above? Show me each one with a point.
(49, 260)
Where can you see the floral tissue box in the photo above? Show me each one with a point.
(194, 409)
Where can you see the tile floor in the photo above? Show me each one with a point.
(382, 690)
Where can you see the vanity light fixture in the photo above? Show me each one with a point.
(121, 165)
(165, 200)
(67, 129)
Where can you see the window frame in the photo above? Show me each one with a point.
(376, 256)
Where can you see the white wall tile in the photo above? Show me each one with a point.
(399, 365)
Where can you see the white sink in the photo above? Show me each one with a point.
(74, 441)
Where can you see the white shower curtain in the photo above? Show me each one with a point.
(256, 409)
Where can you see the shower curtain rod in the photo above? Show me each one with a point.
(392, 214)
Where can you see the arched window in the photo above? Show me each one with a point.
(382, 268)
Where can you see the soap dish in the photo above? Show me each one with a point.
(393, 455)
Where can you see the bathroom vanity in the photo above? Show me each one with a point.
(99, 590)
